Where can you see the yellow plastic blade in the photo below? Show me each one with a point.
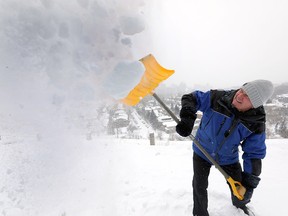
(153, 75)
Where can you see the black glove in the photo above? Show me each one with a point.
(250, 182)
(185, 126)
(247, 198)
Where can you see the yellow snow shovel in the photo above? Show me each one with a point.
(153, 75)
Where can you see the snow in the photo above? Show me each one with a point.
(127, 74)
(132, 25)
(106, 176)
(61, 59)
(69, 49)
(56, 59)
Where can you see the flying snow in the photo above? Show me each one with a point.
(125, 76)
(68, 44)
(54, 53)
(132, 25)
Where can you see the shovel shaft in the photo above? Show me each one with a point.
(235, 186)
(165, 107)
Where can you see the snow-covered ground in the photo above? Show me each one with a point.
(72, 176)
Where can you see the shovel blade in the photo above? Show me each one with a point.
(154, 74)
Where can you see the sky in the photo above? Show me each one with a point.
(221, 43)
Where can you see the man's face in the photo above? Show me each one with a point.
(241, 101)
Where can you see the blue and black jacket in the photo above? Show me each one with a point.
(223, 129)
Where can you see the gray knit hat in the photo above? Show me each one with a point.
(258, 91)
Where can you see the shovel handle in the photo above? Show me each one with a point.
(238, 189)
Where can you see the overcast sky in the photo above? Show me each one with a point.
(222, 43)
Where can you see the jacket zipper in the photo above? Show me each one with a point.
(226, 135)
(221, 125)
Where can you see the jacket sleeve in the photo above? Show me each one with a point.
(196, 100)
(254, 149)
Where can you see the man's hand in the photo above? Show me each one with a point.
(186, 124)
(250, 182)
(184, 127)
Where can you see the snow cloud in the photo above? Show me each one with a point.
(54, 52)
(68, 42)
(128, 74)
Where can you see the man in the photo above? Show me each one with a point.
(230, 119)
